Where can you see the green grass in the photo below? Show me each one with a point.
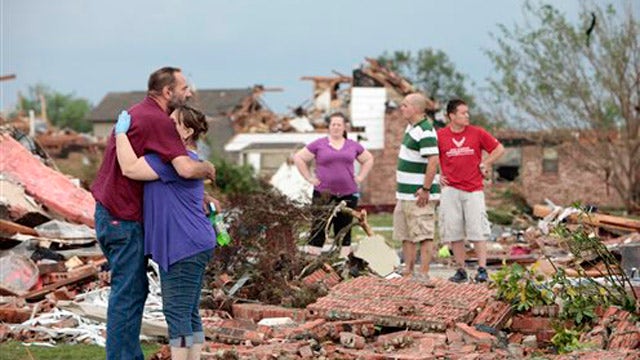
(381, 219)
(13, 350)
(378, 220)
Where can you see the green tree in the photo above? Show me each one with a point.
(63, 110)
(578, 81)
(432, 72)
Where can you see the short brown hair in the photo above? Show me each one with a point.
(453, 104)
(193, 119)
(160, 78)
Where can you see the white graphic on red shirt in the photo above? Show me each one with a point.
(459, 150)
(458, 143)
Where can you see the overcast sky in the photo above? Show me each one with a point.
(90, 48)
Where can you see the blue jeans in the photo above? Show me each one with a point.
(181, 287)
(122, 242)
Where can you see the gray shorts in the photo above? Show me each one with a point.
(463, 216)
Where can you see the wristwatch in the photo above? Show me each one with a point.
(425, 188)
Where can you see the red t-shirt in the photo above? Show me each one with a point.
(461, 154)
(151, 131)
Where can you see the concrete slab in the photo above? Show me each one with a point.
(381, 258)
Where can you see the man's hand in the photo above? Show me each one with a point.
(443, 181)
(423, 197)
(123, 123)
(485, 170)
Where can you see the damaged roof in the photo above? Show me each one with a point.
(213, 102)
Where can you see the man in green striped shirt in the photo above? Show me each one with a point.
(417, 186)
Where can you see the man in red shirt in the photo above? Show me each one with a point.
(118, 215)
(462, 208)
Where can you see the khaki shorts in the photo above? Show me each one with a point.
(463, 215)
(413, 223)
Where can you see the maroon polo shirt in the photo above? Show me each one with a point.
(151, 131)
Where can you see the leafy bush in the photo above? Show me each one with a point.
(522, 287)
(567, 340)
(500, 217)
(234, 179)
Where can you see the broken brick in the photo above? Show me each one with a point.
(363, 327)
(14, 315)
(529, 325)
(238, 331)
(306, 352)
(625, 336)
(473, 336)
(495, 314)
(453, 337)
(396, 339)
(257, 312)
(615, 314)
(325, 275)
(352, 340)
(314, 328)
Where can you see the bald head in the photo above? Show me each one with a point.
(418, 100)
(413, 107)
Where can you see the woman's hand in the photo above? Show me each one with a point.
(210, 199)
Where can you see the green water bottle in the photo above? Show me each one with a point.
(217, 221)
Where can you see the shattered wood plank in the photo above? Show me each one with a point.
(86, 273)
(46, 242)
(601, 220)
(11, 228)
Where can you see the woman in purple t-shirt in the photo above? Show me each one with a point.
(178, 235)
(334, 179)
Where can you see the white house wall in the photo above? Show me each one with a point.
(241, 141)
(367, 109)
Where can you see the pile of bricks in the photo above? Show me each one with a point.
(373, 318)
(403, 302)
(615, 331)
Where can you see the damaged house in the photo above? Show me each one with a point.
(370, 98)
(546, 167)
(217, 104)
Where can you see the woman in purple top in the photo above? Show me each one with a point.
(334, 179)
(178, 235)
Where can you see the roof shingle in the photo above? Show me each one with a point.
(212, 102)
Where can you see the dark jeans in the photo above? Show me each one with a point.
(122, 242)
(181, 287)
(339, 222)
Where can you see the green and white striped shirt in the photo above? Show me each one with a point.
(420, 140)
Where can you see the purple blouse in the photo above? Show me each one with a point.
(175, 226)
(334, 168)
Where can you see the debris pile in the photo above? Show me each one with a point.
(330, 94)
(263, 298)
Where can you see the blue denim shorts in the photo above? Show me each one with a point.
(181, 286)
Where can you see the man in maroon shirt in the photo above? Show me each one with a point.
(118, 215)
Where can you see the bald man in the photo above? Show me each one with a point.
(414, 214)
